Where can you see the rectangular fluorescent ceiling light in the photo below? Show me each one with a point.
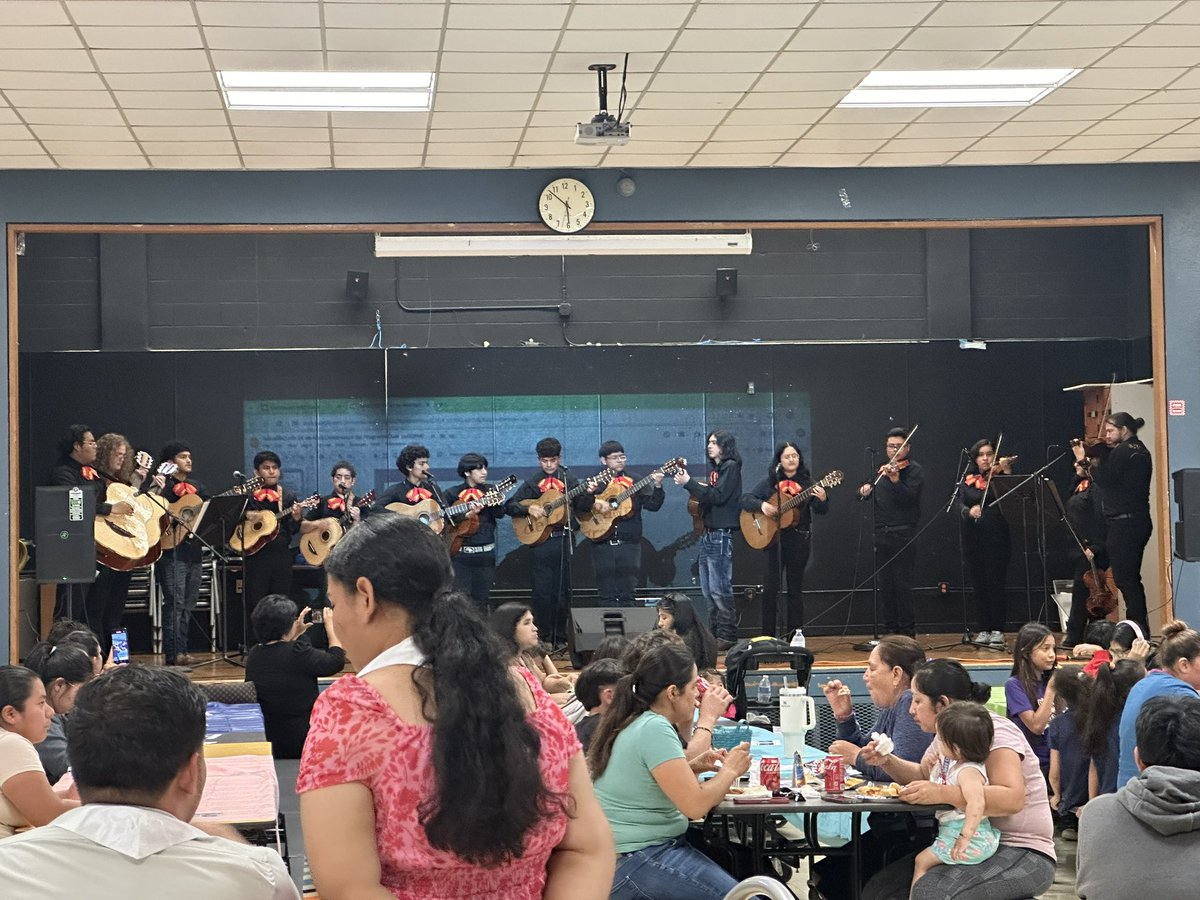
(975, 87)
(564, 245)
(365, 91)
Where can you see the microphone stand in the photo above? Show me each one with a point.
(868, 646)
(566, 558)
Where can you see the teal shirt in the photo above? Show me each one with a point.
(638, 811)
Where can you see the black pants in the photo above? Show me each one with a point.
(987, 549)
(1126, 543)
(896, 578)
(891, 836)
(794, 545)
(474, 574)
(548, 578)
(269, 571)
(1078, 620)
(105, 606)
(617, 567)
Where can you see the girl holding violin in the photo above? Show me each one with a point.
(1123, 472)
(986, 544)
(787, 476)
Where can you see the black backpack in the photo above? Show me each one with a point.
(746, 655)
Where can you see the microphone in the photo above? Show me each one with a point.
(779, 469)
(563, 468)
(870, 449)
(238, 475)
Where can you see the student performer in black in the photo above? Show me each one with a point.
(340, 502)
(1087, 521)
(788, 476)
(897, 499)
(417, 484)
(617, 559)
(1123, 474)
(269, 571)
(549, 563)
(76, 468)
(179, 569)
(986, 544)
(719, 496)
(475, 561)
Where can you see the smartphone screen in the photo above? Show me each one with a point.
(120, 647)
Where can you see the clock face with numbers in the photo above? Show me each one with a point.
(566, 205)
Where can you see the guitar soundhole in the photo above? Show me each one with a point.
(424, 519)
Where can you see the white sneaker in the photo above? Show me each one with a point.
(984, 637)
(997, 638)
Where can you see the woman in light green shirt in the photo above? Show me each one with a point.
(648, 789)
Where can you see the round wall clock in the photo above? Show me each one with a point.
(566, 205)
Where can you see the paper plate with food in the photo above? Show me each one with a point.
(747, 792)
(877, 791)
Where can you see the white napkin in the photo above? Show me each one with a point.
(884, 745)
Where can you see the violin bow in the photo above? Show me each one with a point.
(991, 472)
(899, 450)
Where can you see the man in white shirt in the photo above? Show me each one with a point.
(135, 742)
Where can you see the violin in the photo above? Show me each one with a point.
(890, 467)
(1102, 591)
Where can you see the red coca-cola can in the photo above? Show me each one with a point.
(835, 775)
(768, 772)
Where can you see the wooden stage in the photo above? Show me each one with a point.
(830, 652)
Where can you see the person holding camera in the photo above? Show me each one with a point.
(285, 667)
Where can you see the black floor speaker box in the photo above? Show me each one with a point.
(64, 526)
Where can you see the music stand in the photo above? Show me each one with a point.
(1015, 492)
(218, 518)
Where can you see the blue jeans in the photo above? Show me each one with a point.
(181, 589)
(716, 581)
(668, 871)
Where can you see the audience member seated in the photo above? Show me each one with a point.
(1100, 729)
(285, 667)
(1179, 656)
(64, 669)
(676, 613)
(888, 678)
(1107, 642)
(136, 741)
(26, 798)
(595, 687)
(647, 789)
(64, 630)
(1017, 804)
(513, 624)
(475, 772)
(1144, 840)
(1069, 763)
(611, 646)
(1028, 694)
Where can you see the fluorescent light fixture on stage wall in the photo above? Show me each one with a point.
(974, 87)
(741, 244)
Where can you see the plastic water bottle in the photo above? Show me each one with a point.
(764, 691)
(798, 638)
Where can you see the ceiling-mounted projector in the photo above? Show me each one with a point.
(605, 129)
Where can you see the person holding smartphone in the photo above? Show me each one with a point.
(285, 667)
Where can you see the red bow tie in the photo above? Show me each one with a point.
(336, 503)
(976, 481)
(713, 476)
(789, 487)
(623, 481)
(266, 495)
(468, 494)
(182, 489)
(88, 473)
(417, 494)
(1084, 484)
(550, 483)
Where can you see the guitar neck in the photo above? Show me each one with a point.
(570, 495)
(635, 487)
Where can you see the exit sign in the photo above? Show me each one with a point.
(1177, 407)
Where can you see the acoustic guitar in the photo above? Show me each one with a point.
(259, 526)
(185, 510)
(315, 545)
(430, 512)
(128, 541)
(470, 525)
(617, 502)
(531, 531)
(759, 529)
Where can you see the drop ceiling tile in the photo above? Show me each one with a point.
(355, 40)
(1138, 126)
(1090, 113)
(163, 81)
(192, 148)
(146, 133)
(279, 118)
(1073, 58)
(748, 147)
(261, 133)
(14, 131)
(354, 148)
(182, 117)
(496, 62)
(846, 39)
(643, 62)
(701, 82)
(60, 99)
(468, 162)
(792, 100)
(868, 15)
(384, 135)
(670, 100)
(622, 156)
(383, 15)
(195, 162)
(8, 115)
(1156, 111)
(1081, 156)
(762, 15)
(459, 82)
(1167, 36)
(844, 145)
(995, 37)
(561, 150)
(48, 60)
(287, 162)
(1192, 127)
(937, 59)
(713, 116)
(38, 37)
(122, 12)
(732, 61)
(1108, 142)
(137, 38)
(858, 61)
(1164, 154)
(382, 61)
(572, 82)
(377, 162)
(947, 129)
(1126, 78)
(850, 115)
(994, 158)
(1060, 37)
(501, 119)
(671, 132)
(27, 162)
(970, 114)
(635, 18)
(67, 116)
(82, 132)
(88, 161)
(152, 60)
(910, 158)
(928, 145)
(598, 44)
(852, 130)
(263, 15)
(1188, 140)
(550, 161)
(771, 118)
(483, 102)
(994, 12)
(51, 81)
(548, 133)
(469, 40)
(34, 12)
(702, 40)
(9, 147)
(1173, 96)
(1089, 12)
(658, 147)
(267, 60)
(1188, 80)
(97, 148)
(171, 100)
(1071, 96)
(822, 160)
(379, 120)
(758, 132)
(283, 148)
(1030, 142)
(1027, 128)
(1184, 14)
(1151, 57)
(220, 38)
(484, 135)
(733, 160)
